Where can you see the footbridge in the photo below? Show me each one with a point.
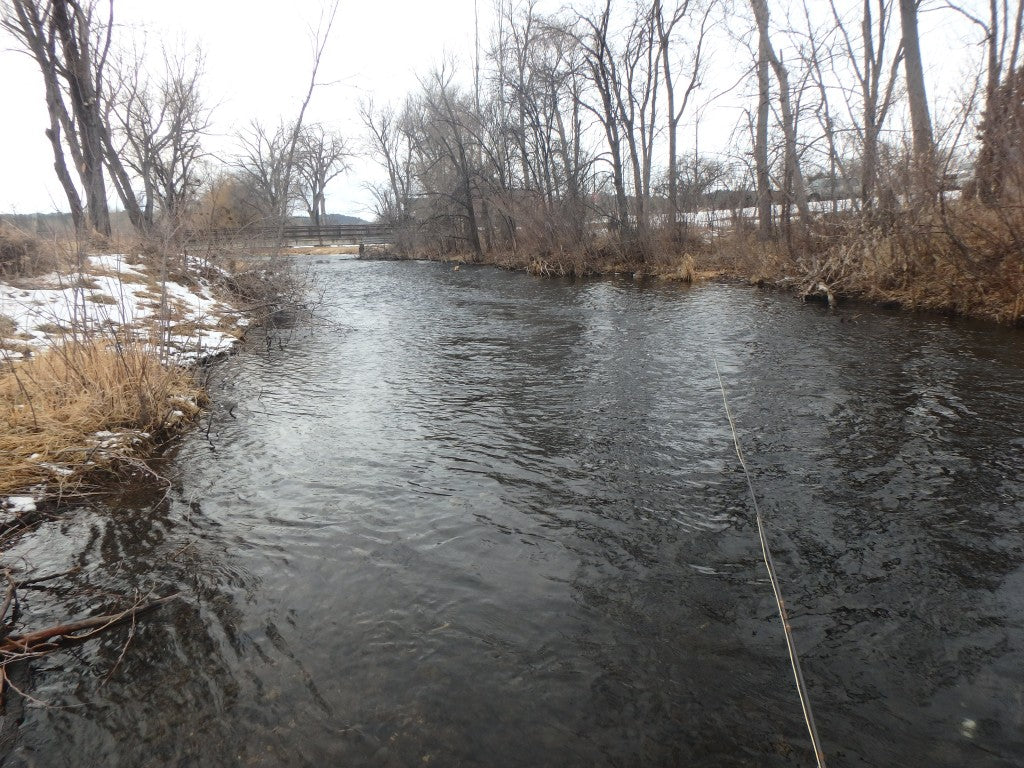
(303, 234)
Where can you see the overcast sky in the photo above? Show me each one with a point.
(259, 54)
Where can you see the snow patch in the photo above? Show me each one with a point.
(19, 505)
(111, 293)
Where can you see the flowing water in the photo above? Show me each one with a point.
(474, 518)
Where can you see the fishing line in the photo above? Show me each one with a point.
(794, 660)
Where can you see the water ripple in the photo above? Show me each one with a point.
(475, 518)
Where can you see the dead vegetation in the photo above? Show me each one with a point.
(106, 393)
(680, 256)
(960, 258)
(957, 257)
(24, 254)
(84, 411)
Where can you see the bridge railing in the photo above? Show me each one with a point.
(354, 233)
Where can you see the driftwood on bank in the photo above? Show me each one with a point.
(819, 290)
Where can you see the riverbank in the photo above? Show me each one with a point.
(958, 258)
(99, 368)
(685, 267)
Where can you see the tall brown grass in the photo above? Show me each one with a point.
(23, 253)
(53, 406)
(961, 258)
(667, 255)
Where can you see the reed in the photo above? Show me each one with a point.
(23, 253)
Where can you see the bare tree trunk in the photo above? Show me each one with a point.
(675, 114)
(60, 36)
(868, 64)
(322, 34)
(1000, 96)
(74, 28)
(604, 77)
(472, 225)
(764, 194)
(61, 167)
(55, 108)
(794, 178)
(920, 120)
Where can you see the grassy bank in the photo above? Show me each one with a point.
(961, 259)
(599, 258)
(955, 257)
(98, 356)
(83, 412)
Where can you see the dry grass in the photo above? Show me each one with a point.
(683, 269)
(90, 410)
(102, 298)
(964, 259)
(53, 406)
(742, 254)
(603, 257)
(23, 254)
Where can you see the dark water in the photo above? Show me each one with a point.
(480, 519)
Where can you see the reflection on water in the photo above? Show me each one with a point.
(476, 518)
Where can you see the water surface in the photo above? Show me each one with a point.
(477, 518)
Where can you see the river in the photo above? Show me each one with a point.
(476, 518)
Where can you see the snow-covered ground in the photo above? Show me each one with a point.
(111, 296)
(116, 293)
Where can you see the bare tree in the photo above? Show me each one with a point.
(390, 146)
(70, 42)
(160, 128)
(452, 111)
(693, 65)
(322, 156)
(817, 53)
(1002, 32)
(876, 74)
(535, 130)
(793, 177)
(267, 158)
(320, 37)
(263, 166)
(761, 166)
(605, 82)
(638, 107)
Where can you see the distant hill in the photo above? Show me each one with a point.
(330, 218)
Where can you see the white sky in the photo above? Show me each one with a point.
(259, 54)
